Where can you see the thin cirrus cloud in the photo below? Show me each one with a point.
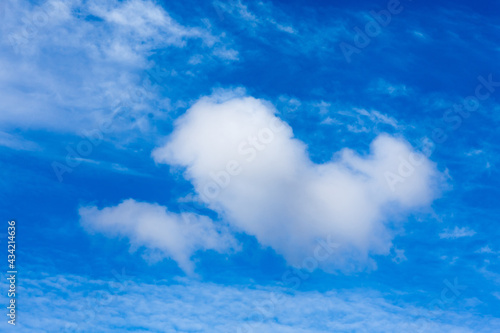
(78, 59)
(65, 302)
(246, 165)
(457, 233)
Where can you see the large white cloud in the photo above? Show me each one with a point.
(245, 164)
(177, 236)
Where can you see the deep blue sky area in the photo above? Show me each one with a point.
(115, 114)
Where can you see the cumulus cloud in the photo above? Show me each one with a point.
(177, 236)
(245, 163)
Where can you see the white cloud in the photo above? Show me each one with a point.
(399, 256)
(485, 249)
(488, 250)
(237, 8)
(457, 233)
(266, 15)
(58, 303)
(177, 236)
(474, 152)
(147, 24)
(330, 121)
(228, 54)
(76, 60)
(365, 121)
(16, 142)
(244, 162)
(383, 87)
(369, 118)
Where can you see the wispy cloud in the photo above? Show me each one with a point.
(487, 250)
(457, 233)
(86, 57)
(64, 303)
(16, 142)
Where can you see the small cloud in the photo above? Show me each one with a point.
(367, 120)
(394, 90)
(419, 35)
(486, 249)
(113, 167)
(399, 256)
(457, 233)
(288, 29)
(451, 260)
(195, 60)
(289, 104)
(474, 152)
(17, 143)
(238, 9)
(355, 129)
(472, 302)
(322, 106)
(382, 118)
(227, 54)
(330, 121)
(281, 27)
(374, 116)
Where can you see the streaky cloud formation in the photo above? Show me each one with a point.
(191, 306)
(457, 233)
(87, 58)
(245, 163)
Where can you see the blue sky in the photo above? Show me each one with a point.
(240, 166)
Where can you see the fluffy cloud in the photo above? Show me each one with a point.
(177, 236)
(245, 164)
